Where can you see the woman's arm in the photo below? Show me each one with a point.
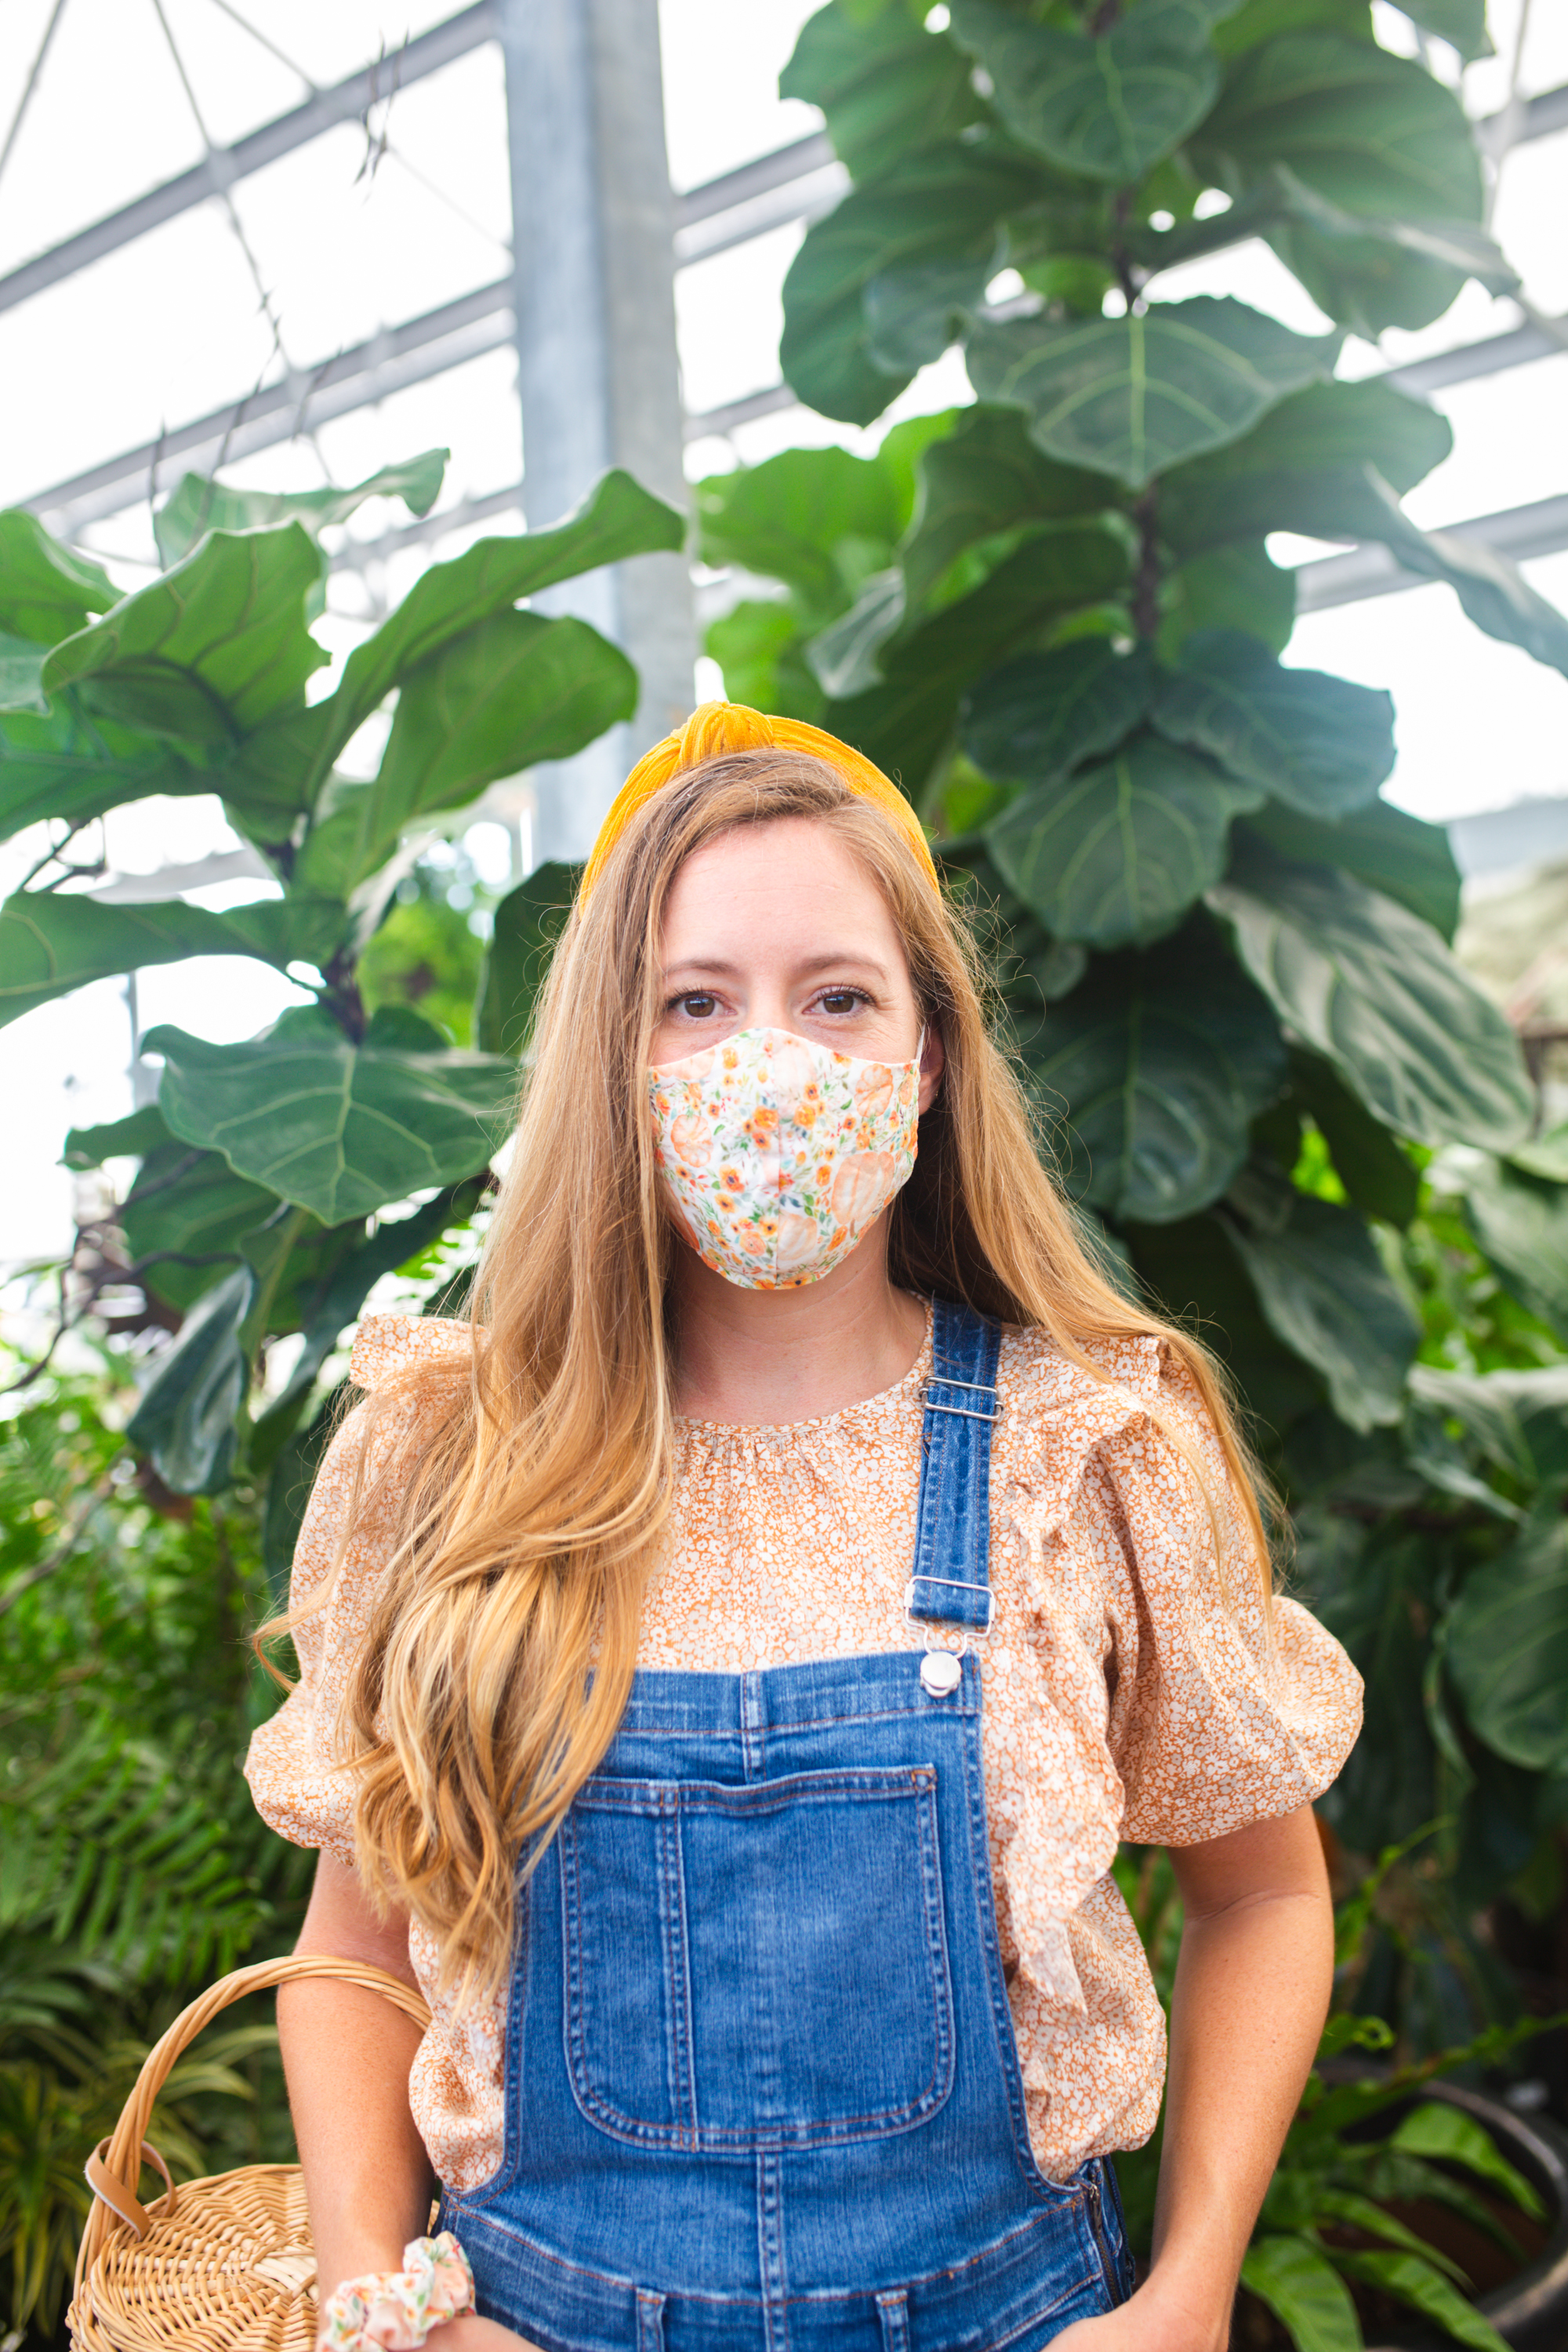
(346, 2053)
(1251, 1993)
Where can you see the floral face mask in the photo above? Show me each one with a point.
(779, 1153)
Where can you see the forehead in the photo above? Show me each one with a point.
(764, 885)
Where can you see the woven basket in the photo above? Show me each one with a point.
(223, 2265)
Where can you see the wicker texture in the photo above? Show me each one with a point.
(226, 2263)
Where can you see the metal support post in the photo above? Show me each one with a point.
(592, 228)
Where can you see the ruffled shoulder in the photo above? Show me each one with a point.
(387, 1345)
(1057, 1415)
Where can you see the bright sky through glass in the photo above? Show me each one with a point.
(354, 232)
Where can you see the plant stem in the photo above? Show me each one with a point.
(1146, 579)
(342, 997)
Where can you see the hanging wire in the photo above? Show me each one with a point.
(269, 45)
(263, 291)
(31, 84)
(379, 147)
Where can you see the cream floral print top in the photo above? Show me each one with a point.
(1122, 1700)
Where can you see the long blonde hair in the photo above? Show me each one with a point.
(530, 1484)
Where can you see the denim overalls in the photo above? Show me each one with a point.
(761, 2088)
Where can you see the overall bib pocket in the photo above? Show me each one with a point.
(760, 1964)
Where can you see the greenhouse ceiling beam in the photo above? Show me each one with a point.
(475, 323)
(760, 187)
(1518, 532)
(217, 172)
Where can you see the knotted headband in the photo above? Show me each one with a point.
(715, 727)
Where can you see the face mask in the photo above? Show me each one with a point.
(778, 1154)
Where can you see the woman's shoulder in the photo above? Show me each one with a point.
(1038, 1379)
(1121, 1398)
(388, 1346)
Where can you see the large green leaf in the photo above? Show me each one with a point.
(1366, 983)
(1521, 1222)
(1374, 134)
(758, 647)
(329, 1305)
(1263, 20)
(1435, 2128)
(130, 1137)
(1380, 1178)
(1133, 395)
(198, 505)
(1508, 1646)
(1108, 107)
(1115, 853)
(617, 520)
(842, 656)
(1461, 22)
(937, 206)
(1317, 742)
(1191, 1272)
(338, 1127)
(1412, 2280)
(818, 520)
(1035, 718)
(984, 482)
(883, 83)
(1518, 1420)
(511, 692)
(1295, 2278)
(528, 922)
(1492, 590)
(208, 651)
(1161, 1062)
(1278, 479)
(65, 764)
(904, 724)
(1370, 1586)
(185, 1420)
(184, 1207)
(52, 942)
(1371, 274)
(22, 677)
(1400, 854)
(1304, 467)
(1236, 587)
(46, 591)
(1324, 1290)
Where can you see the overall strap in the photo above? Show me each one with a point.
(952, 1541)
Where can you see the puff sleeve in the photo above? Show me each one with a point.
(298, 1786)
(1226, 1711)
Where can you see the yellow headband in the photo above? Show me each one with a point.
(715, 727)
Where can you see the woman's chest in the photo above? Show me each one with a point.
(777, 1554)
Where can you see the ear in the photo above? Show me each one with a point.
(933, 1061)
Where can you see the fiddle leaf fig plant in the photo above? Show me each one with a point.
(266, 1169)
(1223, 959)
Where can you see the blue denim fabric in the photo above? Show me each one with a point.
(761, 2088)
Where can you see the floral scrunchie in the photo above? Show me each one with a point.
(394, 2311)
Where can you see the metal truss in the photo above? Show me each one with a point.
(801, 180)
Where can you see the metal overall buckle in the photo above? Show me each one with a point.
(942, 1668)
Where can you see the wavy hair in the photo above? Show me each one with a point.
(529, 1486)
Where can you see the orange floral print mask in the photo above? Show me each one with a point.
(778, 1154)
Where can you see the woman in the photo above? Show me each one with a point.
(729, 1662)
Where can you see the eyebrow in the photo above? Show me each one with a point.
(846, 960)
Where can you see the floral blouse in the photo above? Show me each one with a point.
(1122, 1699)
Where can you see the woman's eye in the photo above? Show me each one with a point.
(840, 1000)
(698, 1006)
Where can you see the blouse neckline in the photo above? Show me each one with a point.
(905, 1390)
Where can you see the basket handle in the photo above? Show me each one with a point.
(113, 2168)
